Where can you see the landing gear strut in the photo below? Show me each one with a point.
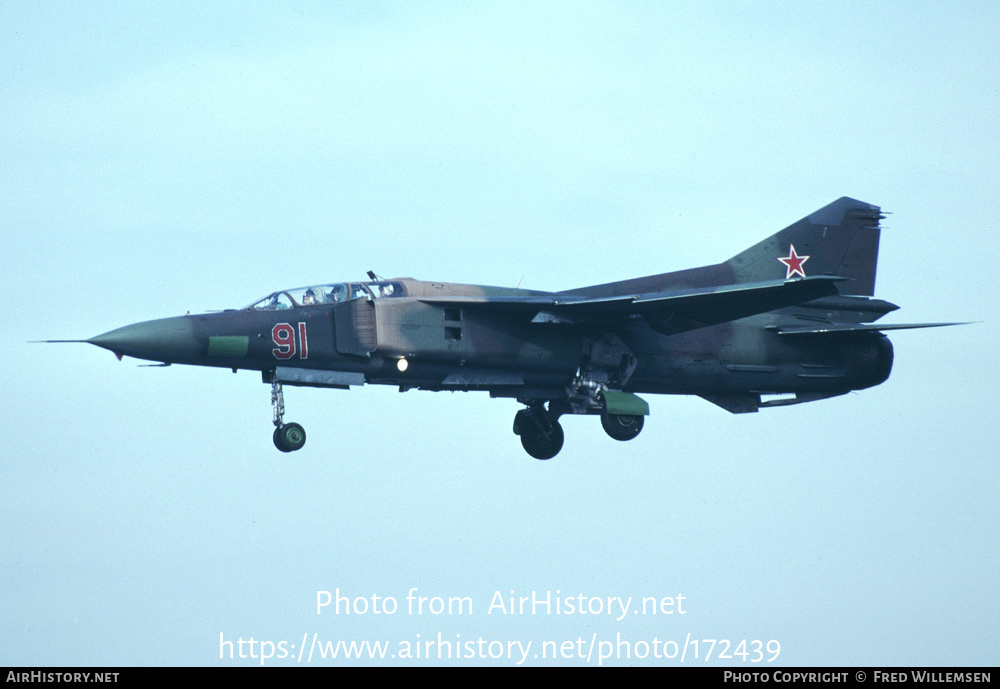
(287, 437)
(541, 435)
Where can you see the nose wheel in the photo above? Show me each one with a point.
(288, 437)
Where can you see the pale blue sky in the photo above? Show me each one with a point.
(159, 158)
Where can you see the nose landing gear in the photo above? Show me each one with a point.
(287, 437)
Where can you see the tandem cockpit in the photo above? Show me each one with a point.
(335, 293)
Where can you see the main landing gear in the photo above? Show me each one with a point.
(288, 437)
(542, 436)
(621, 426)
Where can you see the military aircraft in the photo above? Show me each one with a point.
(789, 318)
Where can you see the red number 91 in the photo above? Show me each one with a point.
(283, 335)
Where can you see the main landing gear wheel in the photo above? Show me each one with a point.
(541, 438)
(289, 437)
(622, 426)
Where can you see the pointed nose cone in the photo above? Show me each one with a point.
(168, 340)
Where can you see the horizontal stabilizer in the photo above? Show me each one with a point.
(852, 328)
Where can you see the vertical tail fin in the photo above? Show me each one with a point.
(839, 239)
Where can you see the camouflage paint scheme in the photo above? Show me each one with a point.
(789, 316)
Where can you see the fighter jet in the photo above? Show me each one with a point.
(787, 321)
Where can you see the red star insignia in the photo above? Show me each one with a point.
(793, 263)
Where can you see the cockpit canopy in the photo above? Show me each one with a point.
(328, 294)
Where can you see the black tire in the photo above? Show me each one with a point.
(276, 437)
(539, 444)
(290, 437)
(622, 426)
(520, 421)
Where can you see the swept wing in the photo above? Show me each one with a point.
(669, 312)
